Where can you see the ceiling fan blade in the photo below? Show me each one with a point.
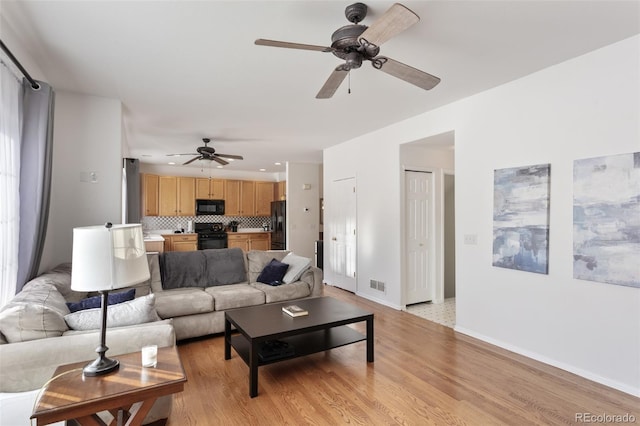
(275, 43)
(332, 83)
(218, 160)
(192, 160)
(394, 21)
(235, 157)
(407, 73)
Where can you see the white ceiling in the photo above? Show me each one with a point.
(186, 70)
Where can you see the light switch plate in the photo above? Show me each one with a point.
(471, 239)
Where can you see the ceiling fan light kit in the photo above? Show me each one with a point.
(355, 43)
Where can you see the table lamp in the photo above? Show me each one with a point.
(106, 258)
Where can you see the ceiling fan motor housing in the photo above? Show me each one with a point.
(356, 12)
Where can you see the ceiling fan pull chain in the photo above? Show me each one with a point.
(349, 90)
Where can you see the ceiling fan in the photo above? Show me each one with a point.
(208, 153)
(355, 43)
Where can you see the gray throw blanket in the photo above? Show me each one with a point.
(202, 268)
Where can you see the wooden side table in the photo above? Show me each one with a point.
(128, 393)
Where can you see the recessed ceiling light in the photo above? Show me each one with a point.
(230, 159)
(278, 164)
(145, 155)
(172, 163)
(263, 170)
(219, 167)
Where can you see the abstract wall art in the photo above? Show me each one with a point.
(606, 219)
(521, 218)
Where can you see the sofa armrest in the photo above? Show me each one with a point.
(313, 277)
(26, 366)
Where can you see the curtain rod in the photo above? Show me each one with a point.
(34, 84)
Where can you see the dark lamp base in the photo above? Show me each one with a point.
(102, 365)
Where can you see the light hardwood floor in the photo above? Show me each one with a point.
(424, 373)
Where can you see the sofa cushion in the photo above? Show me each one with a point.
(283, 292)
(60, 278)
(224, 266)
(36, 312)
(235, 296)
(136, 311)
(297, 266)
(273, 273)
(183, 301)
(96, 301)
(258, 259)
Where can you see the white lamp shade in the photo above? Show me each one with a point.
(108, 258)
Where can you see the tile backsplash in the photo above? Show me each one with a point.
(149, 223)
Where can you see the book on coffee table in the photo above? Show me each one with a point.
(294, 311)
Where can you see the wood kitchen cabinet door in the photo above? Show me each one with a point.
(280, 191)
(232, 197)
(260, 242)
(150, 195)
(168, 195)
(264, 196)
(209, 189)
(186, 196)
(249, 241)
(238, 241)
(247, 198)
(177, 196)
(180, 242)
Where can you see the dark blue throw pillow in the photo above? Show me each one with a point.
(273, 273)
(95, 301)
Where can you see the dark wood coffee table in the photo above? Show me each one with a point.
(324, 328)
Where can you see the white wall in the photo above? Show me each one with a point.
(303, 208)
(87, 138)
(585, 107)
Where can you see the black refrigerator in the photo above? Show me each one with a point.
(278, 225)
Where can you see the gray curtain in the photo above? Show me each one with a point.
(131, 206)
(35, 177)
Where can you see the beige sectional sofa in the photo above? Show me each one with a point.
(35, 338)
(198, 311)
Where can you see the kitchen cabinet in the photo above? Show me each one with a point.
(209, 189)
(232, 197)
(239, 198)
(248, 198)
(180, 242)
(149, 195)
(250, 240)
(264, 196)
(280, 191)
(154, 246)
(177, 196)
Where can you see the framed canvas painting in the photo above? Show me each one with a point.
(606, 219)
(521, 218)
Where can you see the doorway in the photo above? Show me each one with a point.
(341, 227)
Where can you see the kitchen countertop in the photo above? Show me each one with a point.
(249, 230)
(153, 237)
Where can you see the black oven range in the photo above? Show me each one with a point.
(211, 235)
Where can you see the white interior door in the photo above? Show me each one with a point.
(342, 235)
(420, 271)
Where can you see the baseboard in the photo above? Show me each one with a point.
(380, 301)
(623, 387)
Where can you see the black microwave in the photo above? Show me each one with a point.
(209, 207)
